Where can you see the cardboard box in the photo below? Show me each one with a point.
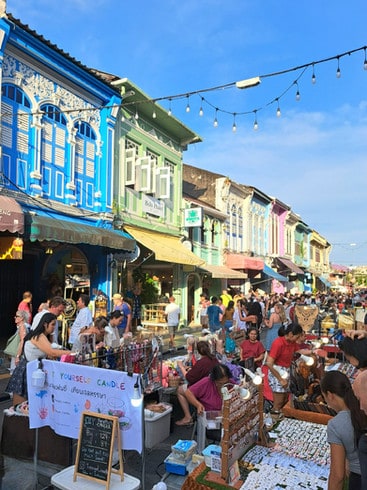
(157, 427)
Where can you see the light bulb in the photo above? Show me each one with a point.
(298, 96)
(169, 109)
(309, 361)
(278, 112)
(338, 72)
(215, 123)
(256, 126)
(136, 115)
(188, 105)
(365, 64)
(313, 79)
(154, 115)
(256, 378)
(225, 393)
(245, 394)
(201, 112)
(283, 373)
(136, 399)
(160, 486)
(234, 127)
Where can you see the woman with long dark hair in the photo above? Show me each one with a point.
(200, 369)
(355, 350)
(37, 345)
(343, 430)
(279, 362)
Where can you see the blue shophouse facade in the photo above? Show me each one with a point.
(57, 149)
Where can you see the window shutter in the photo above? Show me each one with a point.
(130, 158)
(144, 175)
(163, 186)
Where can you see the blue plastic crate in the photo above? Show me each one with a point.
(173, 466)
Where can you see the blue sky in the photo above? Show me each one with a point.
(313, 157)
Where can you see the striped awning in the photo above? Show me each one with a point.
(54, 229)
(11, 215)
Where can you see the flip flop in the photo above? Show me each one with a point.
(185, 424)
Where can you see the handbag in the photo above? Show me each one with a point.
(12, 345)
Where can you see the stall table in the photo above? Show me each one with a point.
(192, 483)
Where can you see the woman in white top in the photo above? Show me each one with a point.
(36, 345)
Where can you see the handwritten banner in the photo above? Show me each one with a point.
(71, 389)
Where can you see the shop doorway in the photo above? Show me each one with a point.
(193, 297)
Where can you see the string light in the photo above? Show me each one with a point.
(338, 72)
(201, 111)
(256, 126)
(188, 104)
(298, 95)
(313, 79)
(154, 115)
(215, 123)
(278, 109)
(234, 126)
(248, 83)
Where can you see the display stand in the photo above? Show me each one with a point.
(153, 316)
(242, 427)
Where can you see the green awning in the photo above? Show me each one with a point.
(43, 228)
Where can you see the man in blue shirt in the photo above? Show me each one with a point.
(120, 305)
(214, 315)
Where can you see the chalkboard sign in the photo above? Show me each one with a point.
(97, 435)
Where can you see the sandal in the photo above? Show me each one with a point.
(182, 423)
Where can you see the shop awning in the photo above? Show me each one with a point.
(11, 215)
(273, 274)
(167, 248)
(222, 272)
(238, 261)
(290, 266)
(324, 281)
(52, 229)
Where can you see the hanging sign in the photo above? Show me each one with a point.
(193, 217)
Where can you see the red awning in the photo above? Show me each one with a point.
(11, 215)
(287, 265)
(238, 261)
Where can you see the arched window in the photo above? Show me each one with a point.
(15, 128)
(54, 152)
(85, 155)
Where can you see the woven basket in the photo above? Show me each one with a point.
(173, 381)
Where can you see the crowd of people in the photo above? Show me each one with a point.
(203, 380)
(38, 336)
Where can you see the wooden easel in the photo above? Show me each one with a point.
(97, 435)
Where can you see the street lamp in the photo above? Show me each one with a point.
(248, 83)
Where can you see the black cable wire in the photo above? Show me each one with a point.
(226, 86)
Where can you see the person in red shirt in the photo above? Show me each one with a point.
(281, 356)
(252, 348)
(26, 305)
